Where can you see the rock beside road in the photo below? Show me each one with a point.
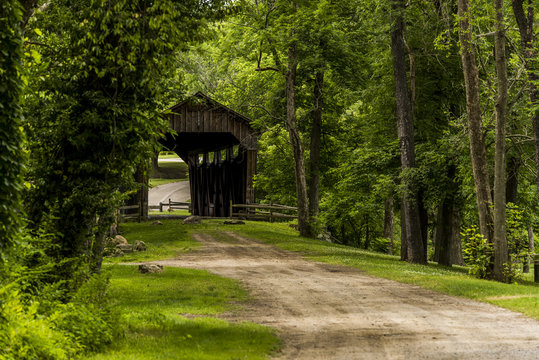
(192, 220)
(150, 268)
(234, 222)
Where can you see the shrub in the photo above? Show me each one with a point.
(25, 335)
(381, 244)
(477, 252)
(90, 318)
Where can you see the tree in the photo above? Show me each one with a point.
(11, 136)
(500, 240)
(525, 21)
(410, 212)
(475, 131)
(97, 118)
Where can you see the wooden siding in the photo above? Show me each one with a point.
(199, 119)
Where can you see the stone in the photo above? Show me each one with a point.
(126, 248)
(113, 252)
(157, 222)
(119, 239)
(150, 268)
(139, 245)
(234, 222)
(192, 220)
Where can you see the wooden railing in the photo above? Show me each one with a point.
(177, 205)
(126, 214)
(269, 212)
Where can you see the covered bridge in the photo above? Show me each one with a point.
(220, 147)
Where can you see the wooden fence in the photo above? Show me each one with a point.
(127, 213)
(176, 205)
(269, 212)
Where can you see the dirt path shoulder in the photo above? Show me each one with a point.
(331, 312)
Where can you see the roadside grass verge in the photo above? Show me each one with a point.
(158, 181)
(162, 241)
(522, 297)
(156, 311)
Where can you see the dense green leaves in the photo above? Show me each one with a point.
(11, 136)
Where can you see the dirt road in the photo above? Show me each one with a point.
(330, 312)
(176, 191)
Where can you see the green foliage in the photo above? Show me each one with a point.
(11, 136)
(90, 317)
(24, 334)
(95, 118)
(477, 252)
(517, 242)
(155, 307)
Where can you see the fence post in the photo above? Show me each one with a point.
(271, 212)
(160, 207)
(230, 214)
(536, 268)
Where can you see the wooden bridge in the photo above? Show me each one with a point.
(220, 147)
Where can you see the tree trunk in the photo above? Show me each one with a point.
(404, 243)
(531, 249)
(500, 237)
(412, 235)
(388, 224)
(295, 141)
(525, 26)
(511, 187)
(314, 169)
(473, 109)
(423, 222)
(448, 250)
(447, 244)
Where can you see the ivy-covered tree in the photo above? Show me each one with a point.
(11, 135)
(96, 116)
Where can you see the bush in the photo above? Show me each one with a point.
(90, 318)
(25, 335)
(477, 252)
(381, 244)
(50, 330)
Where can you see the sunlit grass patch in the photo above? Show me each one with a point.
(162, 241)
(154, 309)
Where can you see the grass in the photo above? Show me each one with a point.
(169, 315)
(522, 297)
(153, 308)
(162, 241)
(174, 165)
(156, 181)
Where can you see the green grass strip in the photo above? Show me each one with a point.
(155, 312)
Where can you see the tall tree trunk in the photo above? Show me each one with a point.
(511, 186)
(501, 256)
(388, 224)
(314, 169)
(477, 144)
(531, 249)
(412, 236)
(447, 244)
(423, 222)
(525, 26)
(295, 141)
(404, 243)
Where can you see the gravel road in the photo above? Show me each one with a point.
(325, 312)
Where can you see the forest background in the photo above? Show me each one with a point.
(394, 126)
